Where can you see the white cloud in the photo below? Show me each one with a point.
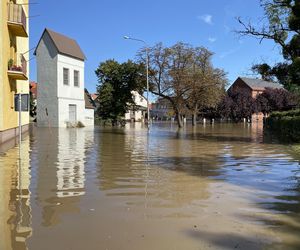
(206, 18)
(229, 52)
(212, 39)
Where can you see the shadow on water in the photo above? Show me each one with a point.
(235, 241)
(241, 157)
(206, 166)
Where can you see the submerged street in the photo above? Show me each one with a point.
(217, 186)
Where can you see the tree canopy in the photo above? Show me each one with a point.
(276, 100)
(283, 27)
(236, 105)
(185, 76)
(116, 83)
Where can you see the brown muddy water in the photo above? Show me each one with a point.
(221, 186)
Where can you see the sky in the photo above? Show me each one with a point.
(100, 25)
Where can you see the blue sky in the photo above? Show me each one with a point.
(99, 27)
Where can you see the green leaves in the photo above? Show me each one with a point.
(283, 27)
(116, 82)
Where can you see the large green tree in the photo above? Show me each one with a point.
(116, 83)
(283, 27)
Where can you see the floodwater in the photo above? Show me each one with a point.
(220, 186)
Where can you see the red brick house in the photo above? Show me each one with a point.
(254, 87)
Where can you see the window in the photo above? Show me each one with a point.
(66, 76)
(76, 78)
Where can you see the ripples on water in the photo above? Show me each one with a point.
(215, 186)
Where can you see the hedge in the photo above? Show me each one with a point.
(290, 113)
(285, 125)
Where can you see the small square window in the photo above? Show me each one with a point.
(66, 76)
(76, 78)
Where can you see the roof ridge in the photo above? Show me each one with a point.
(65, 45)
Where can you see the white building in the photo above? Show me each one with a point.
(60, 74)
(137, 111)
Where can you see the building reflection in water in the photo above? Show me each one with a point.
(70, 164)
(15, 204)
(61, 173)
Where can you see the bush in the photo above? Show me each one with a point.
(290, 113)
(285, 125)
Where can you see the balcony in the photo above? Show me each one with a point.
(17, 70)
(17, 20)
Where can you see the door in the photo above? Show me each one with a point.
(72, 113)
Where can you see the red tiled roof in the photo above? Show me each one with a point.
(33, 89)
(94, 96)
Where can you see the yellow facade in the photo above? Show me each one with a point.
(14, 56)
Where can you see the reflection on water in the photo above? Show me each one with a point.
(220, 186)
(15, 207)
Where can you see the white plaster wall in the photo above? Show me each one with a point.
(46, 58)
(69, 94)
(89, 117)
(70, 91)
(139, 99)
(127, 115)
(63, 107)
(138, 115)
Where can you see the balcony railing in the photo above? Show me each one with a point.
(18, 69)
(17, 20)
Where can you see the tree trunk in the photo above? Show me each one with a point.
(179, 120)
(194, 116)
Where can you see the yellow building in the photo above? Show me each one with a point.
(14, 56)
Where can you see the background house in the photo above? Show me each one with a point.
(162, 109)
(138, 111)
(60, 74)
(89, 109)
(253, 87)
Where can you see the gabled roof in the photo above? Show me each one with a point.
(64, 45)
(89, 103)
(258, 84)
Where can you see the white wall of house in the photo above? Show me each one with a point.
(139, 99)
(70, 94)
(64, 111)
(70, 91)
(46, 58)
(138, 114)
(89, 117)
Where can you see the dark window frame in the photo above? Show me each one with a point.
(78, 78)
(66, 79)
